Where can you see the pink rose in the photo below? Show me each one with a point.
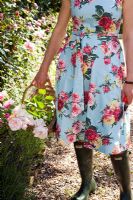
(76, 21)
(77, 127)
(63, 96)
(88, 98)
(92, 87)
(104, 47)
(75, 109)
(61, 64)
(105, 141)
(107, 61)
(8, 104)
(15, 123)
(117, 113)
(106, 89)
(114, 68)
(1, 16)
(29, 45)
(120, 73)
(77, 3)
(73, 59)
(87, 49)
(114, 45)
(71, 138)
(7, 115)
(75, 97)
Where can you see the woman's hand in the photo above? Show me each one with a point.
(40, 79)
(127, 93)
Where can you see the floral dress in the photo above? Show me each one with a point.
(89, 79)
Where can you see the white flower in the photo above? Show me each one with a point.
(15, 124)
(39, 122)
(40, 132)
(22, 115)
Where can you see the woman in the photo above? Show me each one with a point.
(91, 85)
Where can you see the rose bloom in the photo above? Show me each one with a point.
(105, 48)
(76, 21)
(7, 115)
(107, 61)
(40, 132)
(73, 59)
(7, 104)
(71, 138)
(29, 45)
(75, 109)
(92, 87)
(75, 97)
(87, 49)
(109, 119)
(105, 22)
(61, 64)
(106, 89)
(77, 3)
(114, 45)
(120, 73)
(90, 99)
(15, 123)
(1, 16)
(105, 141)
(60, 104)
(63, 96)
(77, 127)
(39, 122)
(91, 134)
(117, 113)
(114, 68)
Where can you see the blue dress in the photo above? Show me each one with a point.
(89, 79)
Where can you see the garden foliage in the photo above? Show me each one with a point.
(24, 33)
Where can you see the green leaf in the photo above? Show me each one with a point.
(99, 10)
(40, 104)
(42, 91)
(51, 98)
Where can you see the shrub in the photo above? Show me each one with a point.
(23, 40)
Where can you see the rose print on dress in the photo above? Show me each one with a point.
(90, 76)
(112, 113)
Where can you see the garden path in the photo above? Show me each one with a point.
(58, 177)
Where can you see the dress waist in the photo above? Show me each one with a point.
(95, 34)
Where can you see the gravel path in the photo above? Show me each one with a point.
(58, 178)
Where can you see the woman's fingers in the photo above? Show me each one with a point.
(127, 94)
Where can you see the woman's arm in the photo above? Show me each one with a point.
(128, 46)
(128, 37)
(54, 43)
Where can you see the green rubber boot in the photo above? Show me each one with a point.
(122, 170)
(85, 160)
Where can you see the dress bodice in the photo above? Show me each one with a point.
(98, 16)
